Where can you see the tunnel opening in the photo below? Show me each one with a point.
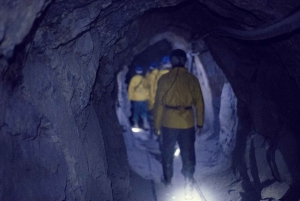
(153, 53)
(59, 130)
(219, 142)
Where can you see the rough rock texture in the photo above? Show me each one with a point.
(216, 81)
(275, 191)
(251, 13)
(17, 19)
(259, 170)
(228, 120)
(57, 145)
(255, 81)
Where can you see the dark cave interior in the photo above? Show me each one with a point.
(60, 136)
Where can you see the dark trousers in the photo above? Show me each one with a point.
(140, 110)
(151, 122)
(186, 142)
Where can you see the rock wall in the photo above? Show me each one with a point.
(60, 137)
(255, 80)
(17, 20)
(51, 151)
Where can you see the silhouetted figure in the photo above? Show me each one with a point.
(138, 93)
(178, 94)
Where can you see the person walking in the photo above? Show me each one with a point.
(138, 93)
(163, 68)
(151, 78)
(178, 105)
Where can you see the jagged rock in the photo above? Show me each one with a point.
(284, 156)
(17, 18)
(282, 168)
(228, 120)
(275, 190)
(123, 101)
(257, 164)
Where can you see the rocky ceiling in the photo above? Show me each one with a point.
(58, 61)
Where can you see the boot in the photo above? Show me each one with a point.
(135, 124)
(165, 182)
(146, 124)
(189, 187)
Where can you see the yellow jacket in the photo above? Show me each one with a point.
(159, 74)
(152, 83)
(177, 93)
(138, 89)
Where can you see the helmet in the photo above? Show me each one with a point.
(138, 69)
(153, 65)
(179, 53)
(165, 60)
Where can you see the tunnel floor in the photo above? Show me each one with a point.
(213, 175)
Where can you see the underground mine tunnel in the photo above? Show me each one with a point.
(65, 116)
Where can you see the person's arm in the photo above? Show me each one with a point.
(158, 106)
(147, 81)
(132, 85)
(199, 103)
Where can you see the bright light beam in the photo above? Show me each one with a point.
(179, 195)
(177, 152)
(136, 130)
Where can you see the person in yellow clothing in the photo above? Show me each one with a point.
(151, 78)
(138, 93)
(164, 68)
(178, 102)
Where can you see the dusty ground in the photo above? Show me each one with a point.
(213, 175)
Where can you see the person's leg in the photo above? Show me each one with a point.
(144, 114)
(186, 141)
(169, 138)
(151, 123)
(135, 116)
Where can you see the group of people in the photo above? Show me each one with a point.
(142, 91)
(175, 97)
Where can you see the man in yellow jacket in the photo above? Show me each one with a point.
(163, 69)
(151, 78)
(178, 102)
(138, 93)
